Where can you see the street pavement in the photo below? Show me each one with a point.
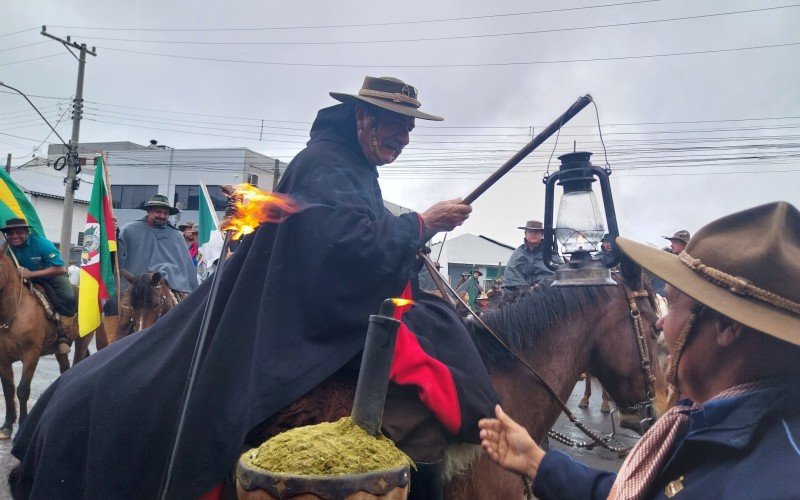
(47, 371)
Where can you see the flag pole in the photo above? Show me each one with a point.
(203, 339)
(117, 280)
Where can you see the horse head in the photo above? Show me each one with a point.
(144, 302)
(626, 362)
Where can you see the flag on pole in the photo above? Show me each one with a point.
(14, 204)
(209, 237)
(99, 240)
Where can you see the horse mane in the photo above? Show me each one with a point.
(141, 293)
(523, 323)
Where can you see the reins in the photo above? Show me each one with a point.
(7, 324)
(641, 342)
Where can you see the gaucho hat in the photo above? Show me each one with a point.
(532, 225)
(159, 200)
(15, 224)
(682, 235)
(390, 94)
(191, 226)
(757, 285)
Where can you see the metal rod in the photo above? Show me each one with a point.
(203, 339)
(542, 136)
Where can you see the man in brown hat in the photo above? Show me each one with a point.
(152, 244)
(190, 230)
(678, 241)
(526, 266)
(733, 328)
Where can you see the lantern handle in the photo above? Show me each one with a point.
(549, 241)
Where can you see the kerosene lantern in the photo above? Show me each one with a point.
(580, 224)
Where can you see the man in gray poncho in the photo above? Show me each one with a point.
(153, 244)
(526, 265)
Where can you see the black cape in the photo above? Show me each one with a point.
(294, 302)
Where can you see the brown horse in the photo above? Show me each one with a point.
(561, 332)
(26, 334)
(147, 299)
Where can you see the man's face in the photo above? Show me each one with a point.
(677, 246)
(698, 358)
(189, 235)
(476, 275)
(157, 216)
(533, 237)
(391, 135)
(606, 246)
(17, 237)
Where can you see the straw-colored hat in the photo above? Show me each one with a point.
(532, 225)
(756, 284)
(388, 93)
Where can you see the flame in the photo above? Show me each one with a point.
(402, 302)
(254, 207)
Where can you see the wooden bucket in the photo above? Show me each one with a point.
(258, 484)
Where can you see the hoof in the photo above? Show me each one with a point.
(5, 433)
(605, 408)
(584, 403)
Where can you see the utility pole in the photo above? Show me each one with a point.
(276, 174)
(8, 163)
(73, 160)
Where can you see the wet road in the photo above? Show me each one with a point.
(47, 371)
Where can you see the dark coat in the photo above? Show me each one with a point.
(744, 447)
(104, 429)
(526, 268)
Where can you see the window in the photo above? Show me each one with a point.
(252, 179)
(132, 195)
(187, 197)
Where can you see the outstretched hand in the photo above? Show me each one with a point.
(509, 445)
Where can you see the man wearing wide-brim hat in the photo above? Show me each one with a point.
(41, 263)
(152, 244)
(678, 241)
(526, 265)
(733, 328)
(190, 231)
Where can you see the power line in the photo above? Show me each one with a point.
(18, 32)
(361, 25)
(31, 59)
(461, 65)
(39, 96)
(22, 46)
(463, 37)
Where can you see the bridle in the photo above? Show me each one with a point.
(642, 409)
(162, 308)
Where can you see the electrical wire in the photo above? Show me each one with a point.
(456, 65)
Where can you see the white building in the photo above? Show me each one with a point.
(468, 251)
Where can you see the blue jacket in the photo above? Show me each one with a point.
(742, 447)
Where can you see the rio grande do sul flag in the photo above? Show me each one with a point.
(99, 239)
(15, 205)
(209, 238)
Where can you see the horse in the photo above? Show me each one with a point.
(605, 406)
(147, 299)
(562, 332)
(26, 334)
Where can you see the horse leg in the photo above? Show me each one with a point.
(7, 378)
(29, 365)
(605, 407)
(587, 392)
(81, 346)
(63, 361)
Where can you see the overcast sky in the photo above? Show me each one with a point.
(690, 137)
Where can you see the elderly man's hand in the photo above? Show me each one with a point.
(445, 216)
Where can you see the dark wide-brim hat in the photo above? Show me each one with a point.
(390, 94)
(159, 200)
(682, 235)
(476, 270)
(757, 285)
(15, 224)
(532, 225)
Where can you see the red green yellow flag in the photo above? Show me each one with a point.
(99, 239)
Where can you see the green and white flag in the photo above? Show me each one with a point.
(209, 237)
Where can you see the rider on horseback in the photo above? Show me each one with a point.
(40, 262)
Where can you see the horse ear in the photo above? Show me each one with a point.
(156, 279)
(631, 272)
(128, 276)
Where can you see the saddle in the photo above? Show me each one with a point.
(44, 294)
